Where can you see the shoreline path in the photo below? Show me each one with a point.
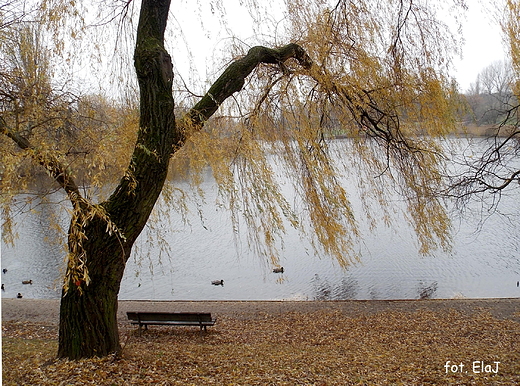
(47, 311)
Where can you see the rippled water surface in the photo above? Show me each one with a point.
(483, 263)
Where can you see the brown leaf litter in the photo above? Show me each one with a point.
(295, 348)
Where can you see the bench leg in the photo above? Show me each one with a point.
(140, 327)
(203, 327)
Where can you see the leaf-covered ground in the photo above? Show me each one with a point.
(315, 348)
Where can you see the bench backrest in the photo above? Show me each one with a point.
(169, 316)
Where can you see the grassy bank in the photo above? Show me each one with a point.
(315, 348)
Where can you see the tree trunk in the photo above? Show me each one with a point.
(88, 312)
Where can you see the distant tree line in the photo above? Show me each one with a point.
(491, 95)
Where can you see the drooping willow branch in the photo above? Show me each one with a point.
(49, 161)
(492, 173)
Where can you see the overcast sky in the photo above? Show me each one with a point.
(483, 45)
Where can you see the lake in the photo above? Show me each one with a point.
(484, 262)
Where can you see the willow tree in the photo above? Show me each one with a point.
(373, 72)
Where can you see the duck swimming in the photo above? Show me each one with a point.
(19, 296)
(278, 270)
(218, 282)
(27, 282)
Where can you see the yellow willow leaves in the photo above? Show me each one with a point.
(511, 27)
(326, 200)
(83, 213)
(90, 139)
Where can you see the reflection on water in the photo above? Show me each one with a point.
(427, 291)
(345, 289)
(203, 249)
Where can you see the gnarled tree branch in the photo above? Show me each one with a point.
(233, 78)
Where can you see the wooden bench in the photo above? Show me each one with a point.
(200, 319)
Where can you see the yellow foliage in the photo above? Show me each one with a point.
(511, 28)
(378, 78)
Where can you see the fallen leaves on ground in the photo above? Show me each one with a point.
(317, 348)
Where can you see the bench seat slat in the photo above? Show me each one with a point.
(174, 322)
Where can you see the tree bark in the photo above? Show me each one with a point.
(51, 164)
(88, 313)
